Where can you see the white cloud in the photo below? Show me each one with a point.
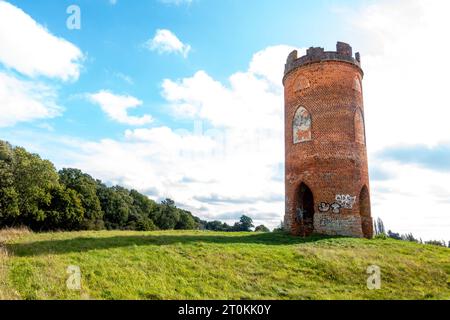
(413, 200)
(403, 44)
(230, 163)
(253, 99)
(165, 41)
(266, 63)
(406, 81)
(23, 101)
(117, 106)
(29, 48)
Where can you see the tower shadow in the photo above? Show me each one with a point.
(85, 244)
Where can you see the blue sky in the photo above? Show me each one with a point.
(223, 34)
(183, 99)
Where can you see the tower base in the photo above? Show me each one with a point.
(337, 225)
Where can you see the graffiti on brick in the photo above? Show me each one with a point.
(300, 213)
(324, 207)
(328, 222)
(345, 201)
(302, 126)
(336, 207)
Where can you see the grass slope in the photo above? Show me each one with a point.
(205, 265)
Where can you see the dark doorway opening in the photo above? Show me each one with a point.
(364, 210)
(305, 210)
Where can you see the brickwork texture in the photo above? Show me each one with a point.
(327, 180)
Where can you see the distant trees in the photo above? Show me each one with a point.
(26, 186)
(167, 215)
(34, 180)
(216, 226)
(262, 228)
(186, 221)
(142, 215)
(9, 198)
(437, 243)
(378, 227)
(245, 224)
(64, 212)
(382, 234)
(86, 187)
(34, 194)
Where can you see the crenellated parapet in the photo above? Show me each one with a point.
(343, 53)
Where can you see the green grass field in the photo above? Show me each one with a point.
(206, 265)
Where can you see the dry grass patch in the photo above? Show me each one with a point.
(6, 235)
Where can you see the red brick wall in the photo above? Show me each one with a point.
(334, 161)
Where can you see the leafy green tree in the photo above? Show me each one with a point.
(245, 224)
(9, 206)
(6, 151)
(262, 228)
(186, 221)
(116, 203)
(9, 198)
(86, 186)
(34, 179)
(65, 211)
(33, 194)
(168, 215)
(218, 226)
(145, 224)
(142, 208)
(214, 225)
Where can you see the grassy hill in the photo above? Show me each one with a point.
(205, 265)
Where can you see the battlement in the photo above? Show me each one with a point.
(344, 52)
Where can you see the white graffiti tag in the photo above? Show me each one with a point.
(324, 207)
(335, 208)
(346, 201)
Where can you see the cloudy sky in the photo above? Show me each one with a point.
(183, 98)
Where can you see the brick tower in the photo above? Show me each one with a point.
(327, 180)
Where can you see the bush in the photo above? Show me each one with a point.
(381, 236)
(436, 243)
(262, 228)
(145, 224)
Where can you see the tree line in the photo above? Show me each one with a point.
(34, 194)
(381, 233)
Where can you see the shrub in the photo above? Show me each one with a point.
(381, 236)
(262, 228)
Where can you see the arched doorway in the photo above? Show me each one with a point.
(364, 210)
(305, 210)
